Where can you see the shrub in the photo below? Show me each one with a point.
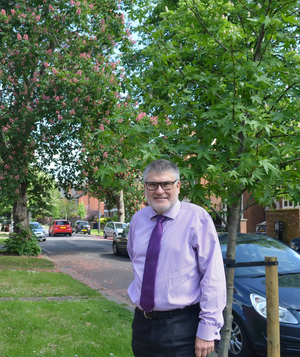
(115, 218)
(23, 243)
(104, 220)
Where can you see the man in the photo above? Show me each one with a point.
(189, 291)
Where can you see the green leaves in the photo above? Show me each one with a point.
(225, 76)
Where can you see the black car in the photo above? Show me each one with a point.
(120, 243)
(295, 244)
(82, 227)
(249, 327)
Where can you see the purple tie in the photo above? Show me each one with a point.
(148, 286)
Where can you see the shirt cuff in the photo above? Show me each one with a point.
(208, 333)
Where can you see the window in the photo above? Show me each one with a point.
(288, 204)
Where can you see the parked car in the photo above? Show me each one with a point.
(38, 231)
(249, 326)
(120, 243)
(113, 229)
(60, 226)
(5, 225)
(295, 244)
(261, 228)
(82, 226)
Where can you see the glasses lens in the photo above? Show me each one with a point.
(167, 185)
(152, 186)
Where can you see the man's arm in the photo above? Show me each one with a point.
(212, 289)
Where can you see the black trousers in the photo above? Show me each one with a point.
(169, 336)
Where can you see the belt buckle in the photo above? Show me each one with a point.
(145, 315)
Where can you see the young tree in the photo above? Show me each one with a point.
(56, 73)
(67, 209)
(81, 211)
(221, 80)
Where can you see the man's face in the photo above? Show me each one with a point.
(160, 200)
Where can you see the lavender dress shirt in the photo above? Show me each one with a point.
(190, 266)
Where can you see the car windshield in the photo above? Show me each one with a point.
(254, 249)
(119, 225)
(35, 226)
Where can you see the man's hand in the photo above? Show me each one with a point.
(203, 348)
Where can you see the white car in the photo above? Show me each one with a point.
(113, 229)
(38, 230)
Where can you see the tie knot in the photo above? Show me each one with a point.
(160, 218)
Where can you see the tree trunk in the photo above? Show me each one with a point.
(20, 210)
(233, 221)
(120, 206)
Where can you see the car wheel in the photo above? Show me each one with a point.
(70, 234)
(115, 249)
(49, 234)
(104, 235)
(89, 233)
(239, 342)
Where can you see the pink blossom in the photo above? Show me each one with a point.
(51, 8)
(3, 12)
(105, 154)
(57, 98)
(5, 129)
(7, 167)
(79, 72)
(79, 162)
(25, 37)
(38, 18)
(54, 70)
(101, 127)
(17, 177)
(19, 37)
(60, 117)
(10, 157)
(140, 116)
(17, 191)
(72, 112)
(78, 11)
(13, 11)
(46, 64)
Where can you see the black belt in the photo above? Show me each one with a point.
(154, 315)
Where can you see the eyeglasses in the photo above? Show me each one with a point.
(167, 185)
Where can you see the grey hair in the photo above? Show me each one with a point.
(161, 166)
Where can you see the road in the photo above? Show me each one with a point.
(90, 259)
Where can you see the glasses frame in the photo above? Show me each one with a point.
(160, 184)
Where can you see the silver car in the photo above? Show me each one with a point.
(38, 231)
(113, 229)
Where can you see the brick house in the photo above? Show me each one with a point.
(289, 214)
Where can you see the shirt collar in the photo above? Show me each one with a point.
(172, 213)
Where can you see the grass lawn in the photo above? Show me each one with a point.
(2, 239)
(47, 313)
(95, 232)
